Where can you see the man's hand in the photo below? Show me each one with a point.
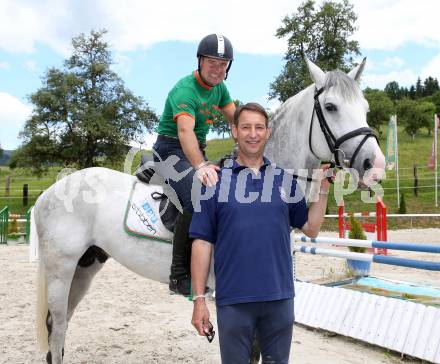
(200, 261)
(200, 317)
(207, 174)
(326, 173)
(317, 209)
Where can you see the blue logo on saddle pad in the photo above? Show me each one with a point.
(150, 213)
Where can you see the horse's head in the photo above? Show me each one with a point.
(339, 130)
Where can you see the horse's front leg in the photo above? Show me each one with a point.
(58, 287)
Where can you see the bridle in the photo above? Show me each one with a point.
(333, 142)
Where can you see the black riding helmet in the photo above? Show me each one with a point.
(216, 46)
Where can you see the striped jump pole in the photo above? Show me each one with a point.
(410, 263)
(413, 247)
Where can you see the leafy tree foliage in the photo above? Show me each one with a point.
(430, 86)
(393, 91)
(421, 89)
(435, 99)
(83, 115)
(415, 115)
(324, 34)
(220, 123)
(426, 110)
(412, 92)
(381, 108)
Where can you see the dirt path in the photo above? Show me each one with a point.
(128, 319)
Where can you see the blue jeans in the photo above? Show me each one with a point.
(273, 323)
(166, 147)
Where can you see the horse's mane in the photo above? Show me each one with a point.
(342, 85)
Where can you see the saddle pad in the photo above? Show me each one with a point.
(142, 216)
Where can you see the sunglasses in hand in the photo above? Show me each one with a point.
(211, 333)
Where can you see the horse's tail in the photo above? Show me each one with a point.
(42, 306)
(42, 333)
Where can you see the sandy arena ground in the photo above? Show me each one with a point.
(129, 319)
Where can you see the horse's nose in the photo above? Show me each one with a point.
(367, 164)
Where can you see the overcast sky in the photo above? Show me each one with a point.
(154, 44)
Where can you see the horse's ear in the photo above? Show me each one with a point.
(356, 72)
(317, 74)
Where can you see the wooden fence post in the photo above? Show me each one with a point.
(25, 195)
(8, 186)
(416, 180)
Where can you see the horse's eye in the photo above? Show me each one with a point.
(331, 107)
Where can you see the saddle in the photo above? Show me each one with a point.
(167, 206)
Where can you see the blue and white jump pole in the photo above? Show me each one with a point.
(413, 247)
(411, 263)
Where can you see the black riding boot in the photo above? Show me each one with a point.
(180, 278)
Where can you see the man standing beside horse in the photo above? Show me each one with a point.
(247, 223)
(190, 109)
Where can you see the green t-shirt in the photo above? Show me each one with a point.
(191, 96)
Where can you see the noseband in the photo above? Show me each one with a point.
(334, 143)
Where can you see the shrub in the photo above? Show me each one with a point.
(13, 227)
(402, 207)
(356, 232)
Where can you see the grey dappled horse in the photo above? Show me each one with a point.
(79, 229)
(326, 122)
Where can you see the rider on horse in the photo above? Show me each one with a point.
(190, 108)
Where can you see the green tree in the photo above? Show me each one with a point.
(220, 123)
(404, 92)
(393, 90)
(435, 99)
(415, 114)
(381, 108)
(426, 111)
(430, 86)
(412, 92)
(405, 113)
(324, 34)
(83, 115)
(419, 88)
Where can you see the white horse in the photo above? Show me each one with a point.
(80, 218)
(327, 122)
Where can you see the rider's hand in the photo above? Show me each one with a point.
(200, 317)
(207, 174)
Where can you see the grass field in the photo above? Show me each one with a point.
(18, 178)
(411, 152)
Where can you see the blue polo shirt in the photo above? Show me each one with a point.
(248, 218)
